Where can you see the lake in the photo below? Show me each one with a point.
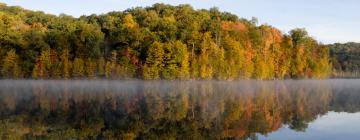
(276, 110)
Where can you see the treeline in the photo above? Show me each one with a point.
(346, 59)
(157, 42)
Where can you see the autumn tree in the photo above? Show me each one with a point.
(10, 66)
(207, 47)
(158, 42)
(43, 65)
(65, 64)
(78, 68)
(110, 66)
(154, 62)
(101, 67)
(90, 68)
(176, 63)
(128, 64)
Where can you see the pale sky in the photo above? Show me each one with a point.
(328, 21)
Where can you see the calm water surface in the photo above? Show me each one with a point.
(290, 109)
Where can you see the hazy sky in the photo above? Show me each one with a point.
(328, 21)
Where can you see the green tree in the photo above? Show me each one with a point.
(87, 40)
(300, 41)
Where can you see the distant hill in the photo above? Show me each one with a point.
(157, 42)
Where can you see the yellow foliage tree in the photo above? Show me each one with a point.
(43, 65)
(78, 69)
(10, 67)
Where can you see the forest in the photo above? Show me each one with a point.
(345, 59)
(157, 42)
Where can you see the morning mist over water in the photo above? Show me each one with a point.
(102, 109)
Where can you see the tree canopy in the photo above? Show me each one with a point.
(345, 59)
(156, 42)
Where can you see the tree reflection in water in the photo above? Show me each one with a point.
(166, 110)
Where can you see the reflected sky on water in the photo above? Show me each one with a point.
(332, 126)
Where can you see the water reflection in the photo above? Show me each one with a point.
(167, 110)
(332, 126)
